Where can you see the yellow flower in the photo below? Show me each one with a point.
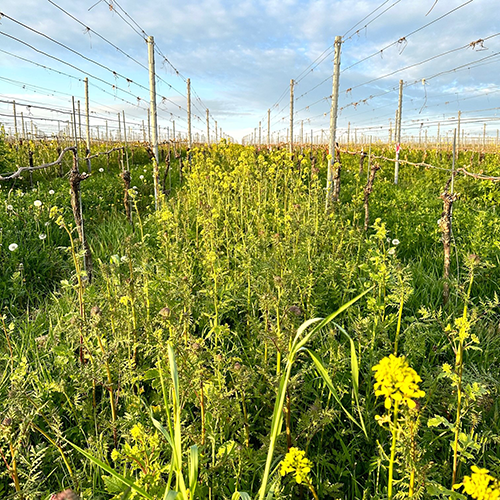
(480, 485)
(395, 380)
(446, 368)
(296, 462)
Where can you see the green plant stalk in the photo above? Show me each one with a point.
(398, 328)
(296, 346)
(393, 451)
(202, 406)
(12, 469)
(111, 392)
(311, 489)
(132, 307)
(278, 332)
(459, 365)
(59, 449)
(245, 420)
(112, 309)
(8, 339)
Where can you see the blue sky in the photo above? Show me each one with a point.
(240, 56)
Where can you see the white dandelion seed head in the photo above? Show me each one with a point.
(42, 236)
(51, 191)
(391, 251)
(101, 170)
(47, 224)
(13, 247)
(141, 177)
(395, 242)
(10, 207)
(37, 203)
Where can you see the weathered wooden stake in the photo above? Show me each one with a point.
(368, 190)
(398, 137)
(330, 192)
(154, 125)
(190, 143)
(76, 203)
(291, 116)
(87, 124)
(268, 127)
(208, 127)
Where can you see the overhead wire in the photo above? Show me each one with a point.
(374, 19)
(87, 28)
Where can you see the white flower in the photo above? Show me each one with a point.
(37, 203)
(34, 189)
(42, 236)
(47, 223)
(395, 242)
(145, 170)
(141, 177)
(51, 191)
(10, 207)
(13, 247)
(134, 187)
(391, 251)
(124, 258)
(101, 170)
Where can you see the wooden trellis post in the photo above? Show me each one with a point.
(368, 190)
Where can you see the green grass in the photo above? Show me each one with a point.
(240, 255)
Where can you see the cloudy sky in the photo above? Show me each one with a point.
(240, 56)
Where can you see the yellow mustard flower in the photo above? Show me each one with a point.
(395, 380)
(296, 462)
(480, 485)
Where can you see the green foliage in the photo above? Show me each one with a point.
(237, 258)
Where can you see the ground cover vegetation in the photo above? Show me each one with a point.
(195, 363)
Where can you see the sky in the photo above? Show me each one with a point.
(240, 56)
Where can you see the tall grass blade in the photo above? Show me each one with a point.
(328, 381)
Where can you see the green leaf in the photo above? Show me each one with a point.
(328, 381)
(111, 471)
(240, 495)
(193, 469)
(436, 490)
(437, 420)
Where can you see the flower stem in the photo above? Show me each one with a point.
(393, 451)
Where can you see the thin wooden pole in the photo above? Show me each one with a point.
(333, 120)
(208, 127)
(87, 115)
(268, 127)
(119, 128)
(75, 132)
(125, 137)
(79, 119)
(291, 115)
(154, 124)
(149, 125)
(16, 135)
(398, 139)
(190, 144)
